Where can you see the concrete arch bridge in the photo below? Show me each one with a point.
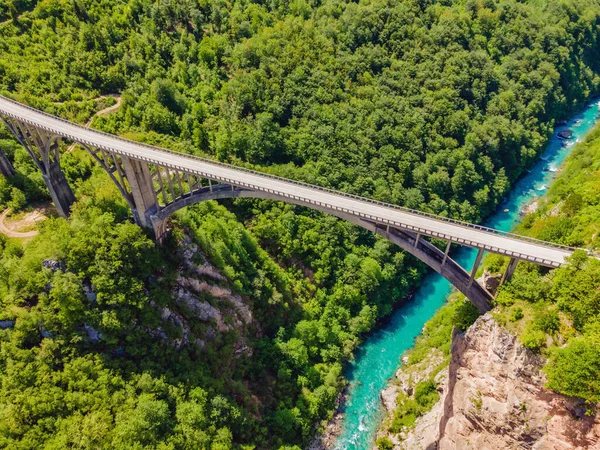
(157, 182)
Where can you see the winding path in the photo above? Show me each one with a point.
(11, 233)
(102, 112)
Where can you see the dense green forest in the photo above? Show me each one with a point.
(435, 105)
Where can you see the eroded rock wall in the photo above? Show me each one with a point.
(493, 397)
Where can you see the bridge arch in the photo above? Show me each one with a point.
(412, 243)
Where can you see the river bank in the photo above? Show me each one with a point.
(333, 429)
(377, 359)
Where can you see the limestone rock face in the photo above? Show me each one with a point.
(204, 306)
(494, 398)
(490, 281)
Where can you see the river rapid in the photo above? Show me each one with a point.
(378, 358)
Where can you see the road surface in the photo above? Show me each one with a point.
(99, 113)
(458, 232)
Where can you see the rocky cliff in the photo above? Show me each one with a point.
(493, 397)
(204, 309)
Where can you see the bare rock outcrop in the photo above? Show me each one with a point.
(494, 398)
(326, 439)
(490, 281)
(204, 306)
(405, 380)
(187, 286)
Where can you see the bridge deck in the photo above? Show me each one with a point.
(466, 234)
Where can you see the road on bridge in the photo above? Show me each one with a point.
(462, 233)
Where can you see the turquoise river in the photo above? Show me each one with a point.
(379, 356)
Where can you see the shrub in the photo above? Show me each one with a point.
(548, 322)
(384, 443)
(406, 413)
(17, 199)
(426, 394)
(494, 263)
(409, 409)
(575, 369)
(504, 298)
(528, 286)
(533, 339)
(466, 314)
(517, 314)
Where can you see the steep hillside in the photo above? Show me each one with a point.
(493, 396)
(108, 342)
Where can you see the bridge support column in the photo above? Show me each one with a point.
(417, 237)
(44, 149)
(475, 266)
(446, 252)
(60, 191)
(510, 270)
(436, 259)
(6, 168)
(145, 202)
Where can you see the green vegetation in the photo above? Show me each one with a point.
(301, 334)
(432, 105)
(477, 402)
(457, 313)
(426, 395)
(564, 309)
(436, 105)
(569, 214)
(556, 312)
(61, 388)
(384, 443)
(10, 9)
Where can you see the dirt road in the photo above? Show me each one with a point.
(29, 219)
(100, 113)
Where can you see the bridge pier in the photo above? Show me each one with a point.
(44, 150)
(510, 270)
(437, 260)
(129, 163)
(60, 191)
(446, 252)
(6, 168)
(416, 239)
(475, 266)
(145, 202)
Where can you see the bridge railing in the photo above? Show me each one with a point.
(287, 180)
